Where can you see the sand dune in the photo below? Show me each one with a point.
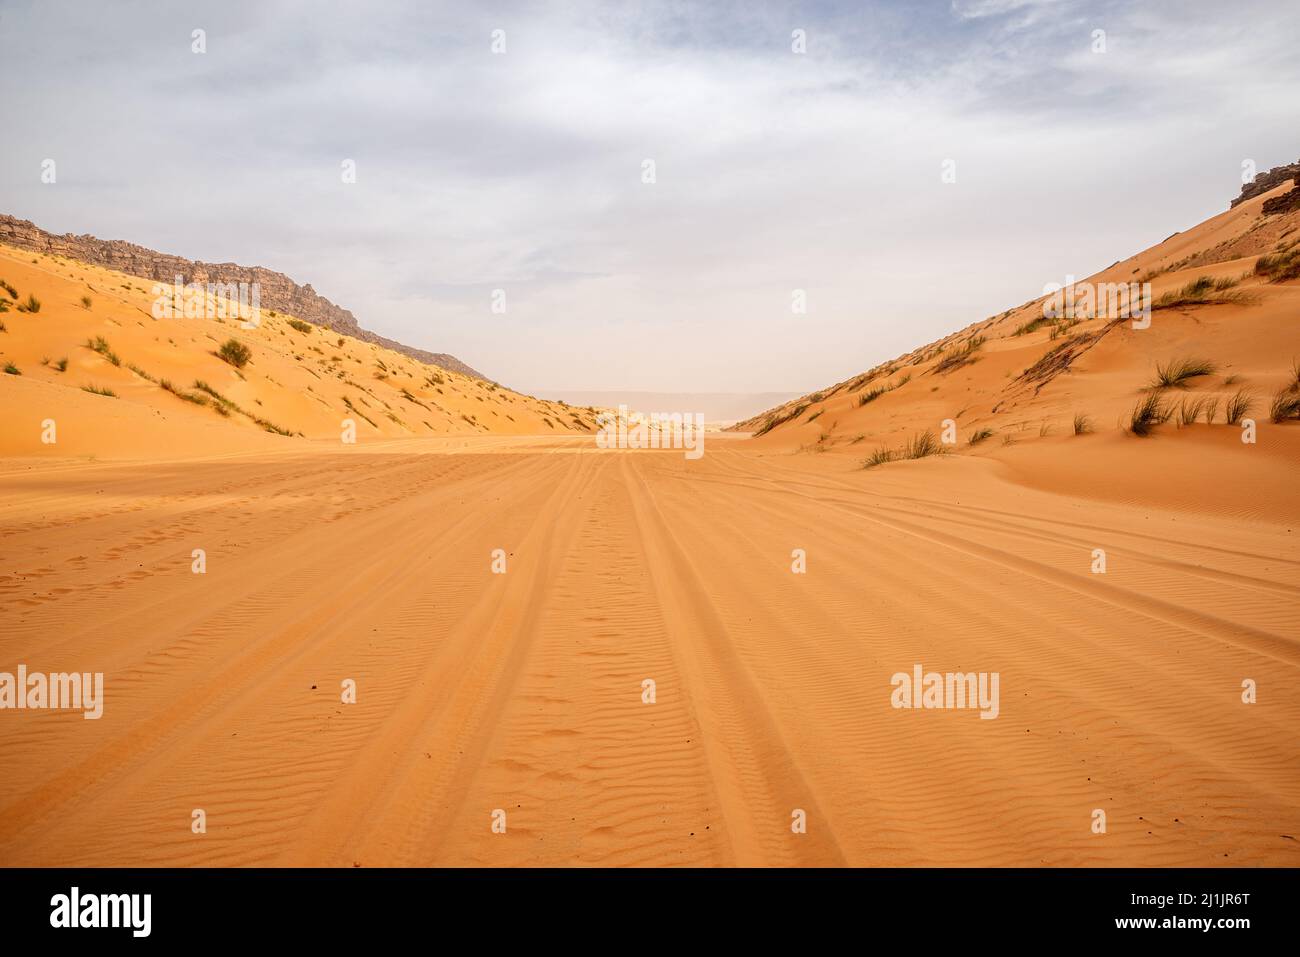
(1016, 375)
(521, 697)
(170, 388)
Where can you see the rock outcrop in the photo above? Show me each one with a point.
(277, 291)
(1271, 180)
(1285, 203)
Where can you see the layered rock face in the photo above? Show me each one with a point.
(277, 291)
(1270, 180)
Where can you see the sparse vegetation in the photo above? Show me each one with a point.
(30, 304)
(410, 398)
(1033, 325)
(1082, 424)
(352, 408)
(86, 302)
(1147, 414)
(13, 293)
(1285, 405)
(100, 344)
(879, 457)
(194, 397)
(62, 364)
(234, 352)
(1202, 291)
(871, 395)
(99, 390)
(964, 355)
(1177, 372)
(305, 327)
(1280, 266)
(1189, 410)
(921, 445)
(11, 369)
(774, 421)
(979, 435)
(1238, 406)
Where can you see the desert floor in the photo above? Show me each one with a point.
(523, 691)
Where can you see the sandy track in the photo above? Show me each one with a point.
(523, 691)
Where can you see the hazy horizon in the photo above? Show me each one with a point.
(716, 407)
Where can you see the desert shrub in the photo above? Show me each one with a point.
(235, 352)
(301, 326)
(774, 421)
(100, 344)
(961, 357)
(1082, 424)
(11, 369)
(979, 436)
(922, 444)
(1279, 267)
(1177, 372)
(1238, 406)
(1147, 414)
(1202, 291)
(99, 390)
(879, 457)
(1189, 410)
(1286, 404)
(1033, 325)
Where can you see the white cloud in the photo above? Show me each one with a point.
(775, 170)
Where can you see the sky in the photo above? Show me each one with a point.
(524, 168)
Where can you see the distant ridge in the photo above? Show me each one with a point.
(277, 291)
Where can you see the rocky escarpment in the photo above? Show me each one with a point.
(1271, 180)
(277, 291)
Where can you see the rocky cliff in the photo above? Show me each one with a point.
(1270, 180)
(277, 290)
